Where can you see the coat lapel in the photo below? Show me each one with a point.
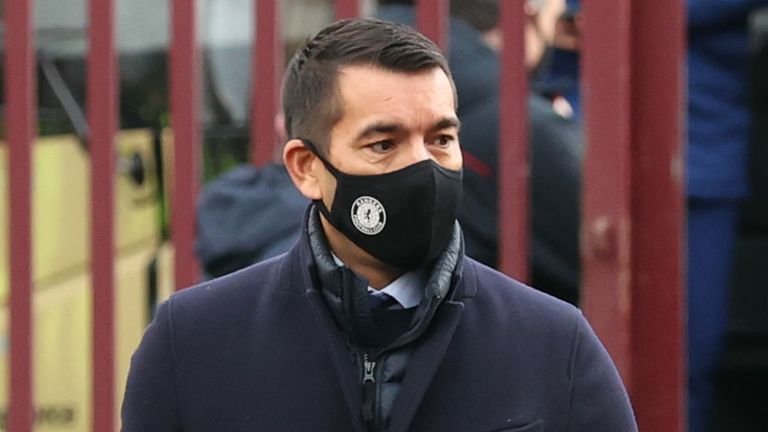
(423, 364)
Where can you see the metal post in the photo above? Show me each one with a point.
(658, 58)
(266, 70)
(606, 177)
(102, 120)
(633, 202)
(185, 107)
(346, 8)
(514, 202)
(432, 21)
(20, 84)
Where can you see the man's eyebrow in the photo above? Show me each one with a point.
(387, 128)
(447, 123)
(379, 128)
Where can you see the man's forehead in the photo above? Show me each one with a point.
(364, 84)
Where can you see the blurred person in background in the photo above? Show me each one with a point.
(556, 141)
(558, 78)
(718, 148)
(248, 214)
(719, 134)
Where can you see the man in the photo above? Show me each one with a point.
(442, 343)
(555, 141)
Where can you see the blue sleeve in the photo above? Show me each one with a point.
(703, 13)
(150, 402)
(598, 400)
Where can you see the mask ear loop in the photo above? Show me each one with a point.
(313, 148)
(334, 172)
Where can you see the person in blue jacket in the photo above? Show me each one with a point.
(375, 320)
(559, 76)
(719, 133)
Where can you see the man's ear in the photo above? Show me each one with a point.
(303, 167)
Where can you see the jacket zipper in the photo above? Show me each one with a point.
(369, 390)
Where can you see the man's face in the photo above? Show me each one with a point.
(391, 120)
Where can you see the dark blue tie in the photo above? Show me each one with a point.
(380, 300)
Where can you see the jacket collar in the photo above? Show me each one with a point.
(344, 291)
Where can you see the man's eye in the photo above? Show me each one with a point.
(444, 140)
(382, 146)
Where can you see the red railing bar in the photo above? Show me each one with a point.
(658, 56)
(432, 21)
(346, 8)
(606, 255)
(513, 173)
(266, 69)
(20, 83)
(102, 120)
(633, 205)
(185, 110)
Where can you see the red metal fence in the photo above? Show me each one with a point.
(633, 205)
(102, 119)
(20, 128)
(184, 78)
(632, 180)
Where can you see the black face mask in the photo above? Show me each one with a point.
(403, 218)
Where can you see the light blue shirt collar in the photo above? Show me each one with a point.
(407, 290)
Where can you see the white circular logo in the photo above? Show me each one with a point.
(368, 215)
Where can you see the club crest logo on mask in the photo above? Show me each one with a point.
(368, 215)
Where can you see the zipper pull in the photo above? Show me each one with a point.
(369, 388)
(368, 369)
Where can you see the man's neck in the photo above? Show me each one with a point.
(377, 273)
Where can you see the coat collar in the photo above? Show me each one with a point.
(344, 292)
(307, 261)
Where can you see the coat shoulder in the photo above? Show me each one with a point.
(492, 288)
(226, 295)
(561, 351)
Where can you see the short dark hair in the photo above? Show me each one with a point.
(311, 103)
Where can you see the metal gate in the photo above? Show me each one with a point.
(632, 81)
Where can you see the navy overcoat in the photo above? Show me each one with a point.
(258, 350)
